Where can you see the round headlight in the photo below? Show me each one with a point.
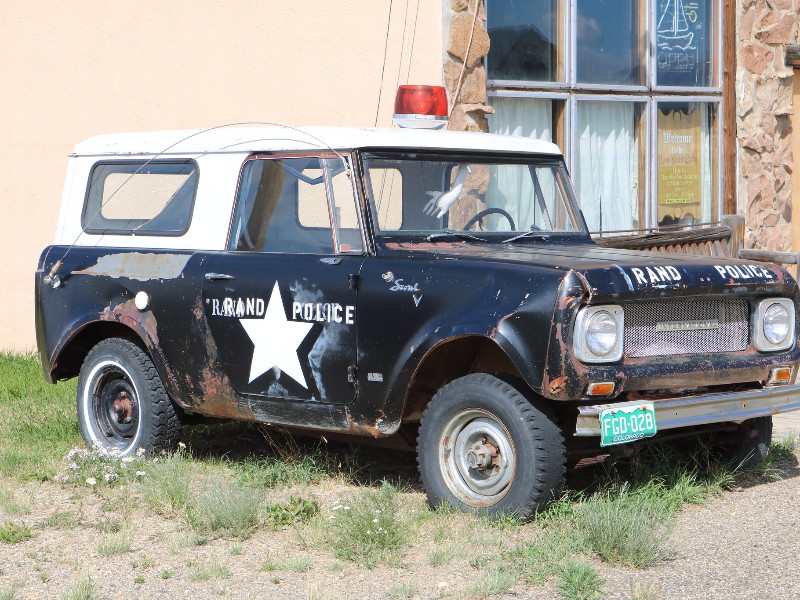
(601, 333)
(776, 323)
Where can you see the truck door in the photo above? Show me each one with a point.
(280, 302)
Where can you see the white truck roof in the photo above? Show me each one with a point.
(238, 139)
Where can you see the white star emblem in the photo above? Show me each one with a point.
(275, 340)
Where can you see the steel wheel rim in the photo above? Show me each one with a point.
(477, 457)
(111, 408)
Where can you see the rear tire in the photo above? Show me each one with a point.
(485, 447)
(121, 402)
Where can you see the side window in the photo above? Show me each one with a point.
(386, 184)
(139, 197)
(285, 205)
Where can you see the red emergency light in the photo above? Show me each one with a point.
(420, 106)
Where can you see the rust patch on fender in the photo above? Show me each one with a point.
(138, 266)
(144, 323)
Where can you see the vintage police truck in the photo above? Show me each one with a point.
(435, 288)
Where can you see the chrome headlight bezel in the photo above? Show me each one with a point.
(760, 340)
(580, 345)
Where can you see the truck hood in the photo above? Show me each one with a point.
(610, 273)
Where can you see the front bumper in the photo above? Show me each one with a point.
(687, 411)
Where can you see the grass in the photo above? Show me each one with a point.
(579, 581)
(495, 581)
(83, 590)
(114, 544)
(10, 593)
(14, 533)
(406, 589)
(225, 508)
(367, 528)
(10, 505)
(205, 572)
(167, 486)
(37, 419)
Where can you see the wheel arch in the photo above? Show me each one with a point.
(450, 359)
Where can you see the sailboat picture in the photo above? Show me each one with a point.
(673, 28)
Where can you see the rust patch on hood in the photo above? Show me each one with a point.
(138, 266)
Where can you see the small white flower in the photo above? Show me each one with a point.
(374, 520)
(140, 452)
(110, 476)
(73, 466)
(128, 459)
(91, 481)
(346, 507)
(181, 445)
(140, 473)
(338, 507)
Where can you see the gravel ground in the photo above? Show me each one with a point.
(741, 545)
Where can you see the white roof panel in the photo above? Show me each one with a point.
(248, 139)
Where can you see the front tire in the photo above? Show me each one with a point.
(121, 402)
(752, 448)
(484, 447)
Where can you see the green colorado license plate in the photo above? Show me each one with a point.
(627, 423)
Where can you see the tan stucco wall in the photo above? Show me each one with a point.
(75, 69)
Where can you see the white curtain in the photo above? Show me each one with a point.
(606, 173)
(706, 169)
(510, 187)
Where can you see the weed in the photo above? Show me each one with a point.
(298, 564)
(10, 593)
(367, 527)
(269, 565)
(219, 570)
(83, 590)
(11, 506)
(167, 486)
(497, 580)
(545, 555)
(295, 510)
(225, 508)
(336, 566)
(198, 572)
(441, 556)
(406, 589)
(577, 580)
(504, 521)
(276, 580)
(138, 579)
(62, 520)
(625, 528)
(44, 577)
(38, 424)
(114, 544)
(14, 533)
(236, 550)
(642, 591)
(97, 468)
(166, 574)
(272, 472)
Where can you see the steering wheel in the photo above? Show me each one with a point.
(490, 211)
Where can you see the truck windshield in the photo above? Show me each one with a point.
(488, 198)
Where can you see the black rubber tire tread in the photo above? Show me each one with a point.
(539, 477)
(161, 429)
(751, 451)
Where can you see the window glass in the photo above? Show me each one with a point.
(387, 186)
(684, 37)
(608, 42)
(141, 197)
(525, 117)
(524, 36)
(686, 171)
(476, 195)
(284, 205)
(608, 162)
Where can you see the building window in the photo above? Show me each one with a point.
(628, 88)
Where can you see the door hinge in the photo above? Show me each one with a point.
(352, 374)
(352, 281)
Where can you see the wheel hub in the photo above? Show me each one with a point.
(123, 407)
(481, 455)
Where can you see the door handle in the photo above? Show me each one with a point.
(218, 276)
(330, 260)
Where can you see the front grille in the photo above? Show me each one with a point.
(688, 327)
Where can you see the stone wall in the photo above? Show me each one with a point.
(464, 73)
(763, 115)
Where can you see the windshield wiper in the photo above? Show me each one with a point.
(528, 234)
(460, 235)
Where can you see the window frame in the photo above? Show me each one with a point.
(142, 163)
(570, 92)
(330, 202)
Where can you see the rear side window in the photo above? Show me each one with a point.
(140, 197)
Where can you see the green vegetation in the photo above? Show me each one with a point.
(14, 533)
(225, 508)
(579, 581)
(494, 581)
(166, 487)
(114, 544)
(10, 593)
(38, 425)
(407, 589)
(83, 590)
(367, 528)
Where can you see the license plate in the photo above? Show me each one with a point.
(627, 423)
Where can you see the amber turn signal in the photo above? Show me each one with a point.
(603, 388)
(779, 375)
